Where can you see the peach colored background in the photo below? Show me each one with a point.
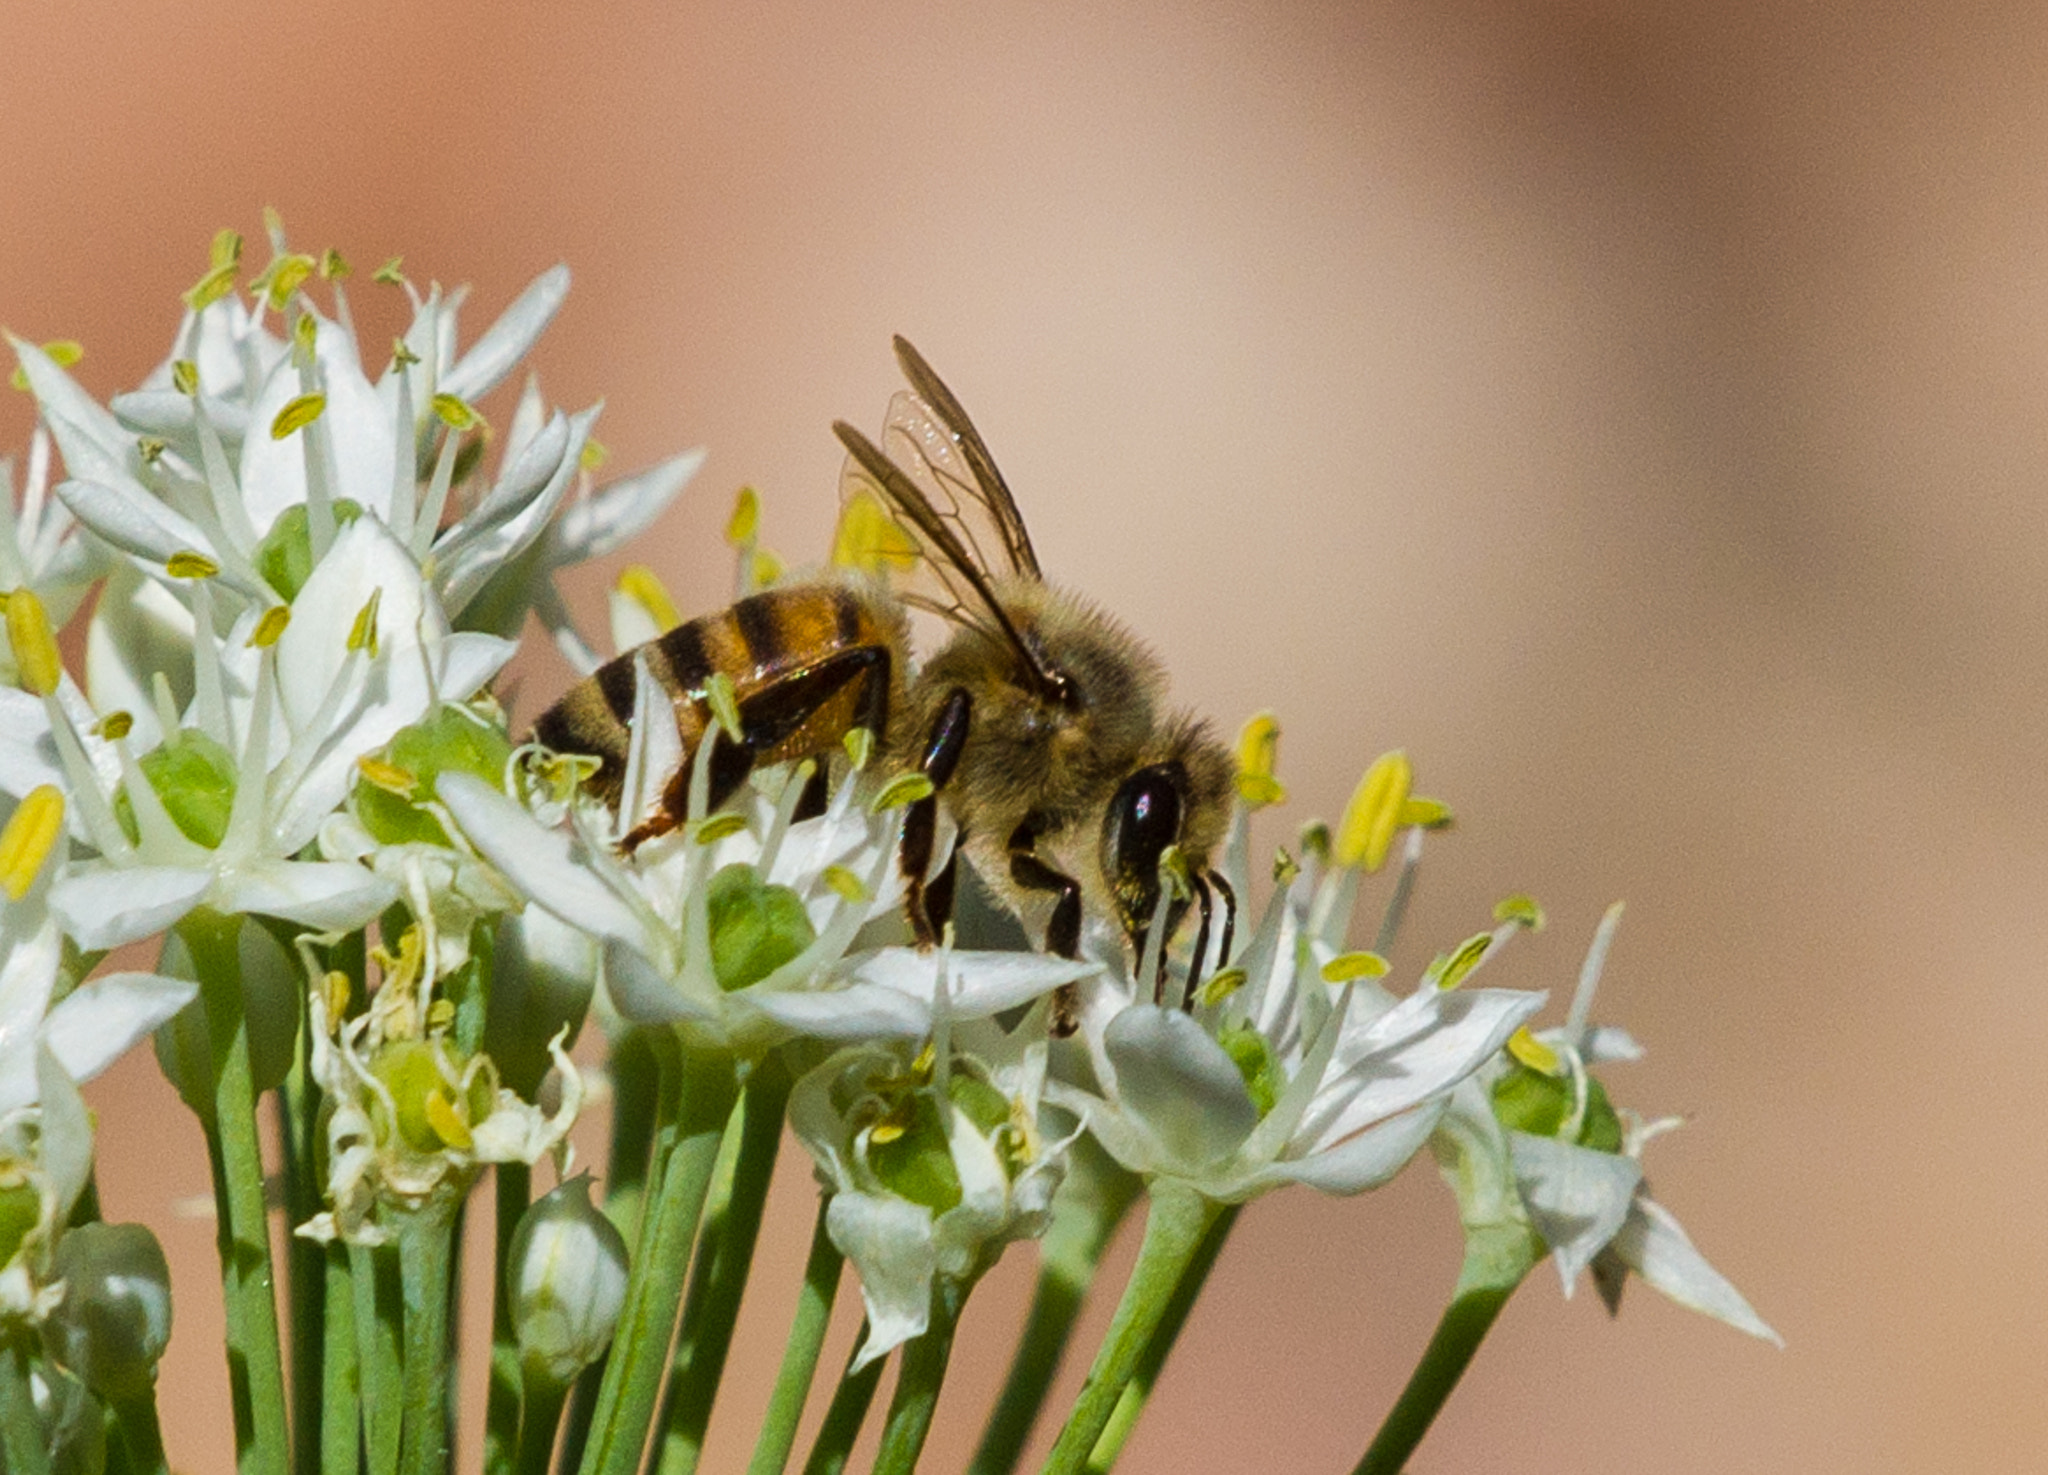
(1638, 412)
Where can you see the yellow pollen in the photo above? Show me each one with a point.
(1447, 973)
(363, 634)
(905, 788)
(335, 991)
(227, 247)
(716, 827)
(455, 412)
(1427, 814)
(63, 352)
(745, 523)
(640, 584)
(297, 415)
(35, 648)
(845, 883)
(389, 273)
(884, 1133)
(114, 726)
(1533, 1053)
(388, 776)
(1258, 750)
(1374, 812)
(185, 376)
(1347, 966)
(31, 833)
(593, 455)
(1521, 909)
(447, 1122)
(270, 626)
(332, 265)
(1221, 985)
(859, 743)
(189, 563)
(724, 700)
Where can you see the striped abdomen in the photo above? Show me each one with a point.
(807, 663)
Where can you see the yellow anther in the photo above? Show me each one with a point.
(209, 289)
(869, 539)
(440, 1014)
(716, 827)
(1285, 866)
(388, 776)
(189, 563)
(905, 788)
(185, 376)
(284, 276)
(1221, 985)
(724, 700)
(640, 584)
(1258, 750)
(335, 991)
(362, 634)
(270, 626)
(456, 412)
(31, 833)
(1449, 972)
(1374, 812)
(883, 1133)
(1520, 909)
(447, 1122)
(1533, 1053)
(763, 569)
(1427, 814)
(389, 273)
(1347, 966)
(926, 1062)
(845, 883)
(63, 352)
(305, 334)
(744, 526)
(150, 449)
(1173, 870)
(859, 743)
(402, 355)
(226, 249)
(1315, 840)
(114, 726)
(297, 414)
(593, 455)
(35, 648)
(332, 265)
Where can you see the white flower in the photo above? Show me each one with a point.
(46, 1160)
(1577, 1181)
(1289, 1076)
(934, 1160)
(41, 547)
(809, 885)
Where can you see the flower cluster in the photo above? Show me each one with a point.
(294, 576)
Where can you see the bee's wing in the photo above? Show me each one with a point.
(939, 548)
(929, 435)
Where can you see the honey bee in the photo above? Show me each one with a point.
(1038, 721)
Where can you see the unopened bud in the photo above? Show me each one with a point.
(568, 1284)
(115, 1319)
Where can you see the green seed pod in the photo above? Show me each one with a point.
(756, 927)
(114, 1322)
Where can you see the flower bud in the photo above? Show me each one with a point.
(285, 556)
(450, 739)
(115, 1319)
(1528, 1100)
(568, 1283)
(194, 779)
(542, 975)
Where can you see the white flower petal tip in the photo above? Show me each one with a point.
(1652, 1244)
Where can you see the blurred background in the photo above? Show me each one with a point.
(1636, 412)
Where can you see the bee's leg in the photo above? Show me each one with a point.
(769, 719)
(1201, 953)
(1063, 932)
(930, 906)
(1229, 917)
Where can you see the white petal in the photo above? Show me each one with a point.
(106, 907)
(323, 894)
(27, 977)
(363, 560)
(135, 523)
(1368, 1159)
(647, 994)
(82, 429)
(28, 756)
(1606, 1042)
(98, 1021)
(1176, 1079)
(889, 1241)
(537, 860)
(66, 1133)
(1652, 1245)
(506, 341)
(1576, 1197)
(854, 1013)
(604, 521)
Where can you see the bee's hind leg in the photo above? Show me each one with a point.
(930, 903)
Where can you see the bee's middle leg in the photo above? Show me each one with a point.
(930, 902)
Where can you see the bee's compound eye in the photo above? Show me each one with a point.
(1144, 818)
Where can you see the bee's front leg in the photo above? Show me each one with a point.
(930, 903)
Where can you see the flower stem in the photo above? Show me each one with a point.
(542, 1401)
(1497, 1258)
(306, 1263)
(636, 1095)
(1175, 1223)
(919, 1379)
(21, 1432)
(1132, 1401)
(425, 1253)
(848, 1411)
(686, 1154)
(1069, 1254)
(373, 1275)
(800, 1356)
(255, 1358)
(142, 1439)
(719, 1278)
(512, 1184)
(341, 1440)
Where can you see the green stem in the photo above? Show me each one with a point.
(513, 1188)
(848, 1411)
(373, 1274)
(1497, 1258)
(636, 1109)
(255, 1357)
(719, 1279)
(306, 1262)
(141, 1437)
(542, 1401)
(800, 1355)
(1069, 1254)
(21, 1431)
(341, 1440)
(1175, 1223)
(425, 1252)
(919, 1380)
(633, 1372)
